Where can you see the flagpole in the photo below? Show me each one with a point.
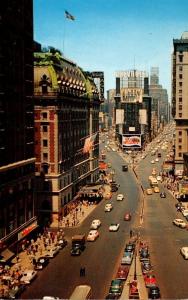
(64, 32)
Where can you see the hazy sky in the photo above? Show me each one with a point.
(112, 35)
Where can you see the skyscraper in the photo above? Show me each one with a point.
(16, 121)
(180, 97)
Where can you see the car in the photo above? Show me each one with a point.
(116, 287)
(156, 189)
(152, 161)
(154, 292)
(185, 212)
(114, 227)
(127, 217)
(184, 252)
(120, 197)
(159, 178)
(156, 159)
(15, 292)
(61, 243)
(122, 272)
(154, 172)
(179, 223)
(130, 247)
(163, 195)
(41, 262)
(127, 258)
(150, 280)
(149, 192)
(146, 267)
(52, 252)
(50, 298)
(93, 235)
(144, 254)
(95, 224)
(125, 168)
(28, 276)
(108, 207)
(76, 250)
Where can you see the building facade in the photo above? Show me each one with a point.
(66, 113)
(180, 97)
(17, 162)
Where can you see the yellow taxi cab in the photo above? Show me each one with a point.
(156, 189)
(149, 192)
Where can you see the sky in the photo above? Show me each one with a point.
(113, 35)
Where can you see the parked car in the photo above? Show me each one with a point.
(116, 287)
(127, 258)
(152, 161)
(130, 247)
(127, 217)
(125, 168)
(41, 262)
(61, 243)
(185, 212)
(184, 252)
(95, 224)
(150, 280)
(122, 272)
(146, 267)
(159, 178)
(154, 292)
(108, 207)
(93, 235)
(144, 254)
(76, 250)
(120, 197)
(114, 227)
(179, 223)
(52, 252)
(28, 276)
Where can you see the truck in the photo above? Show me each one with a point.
(154, 182)
(78, 241)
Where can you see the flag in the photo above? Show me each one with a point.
(89, 143)
(69, 16)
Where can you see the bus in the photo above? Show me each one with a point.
(81, 292)
(154, 182)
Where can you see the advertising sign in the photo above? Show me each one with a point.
(27, 230)
(131, 140)
(143, 116)
(119, 116)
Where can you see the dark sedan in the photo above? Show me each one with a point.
(41, 262)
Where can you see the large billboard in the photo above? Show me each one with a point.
(131, 140)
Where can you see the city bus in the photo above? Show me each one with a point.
(154, 182)
(81, 292)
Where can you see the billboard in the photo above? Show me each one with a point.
(131, 140)
(143, 116)
(119, 116)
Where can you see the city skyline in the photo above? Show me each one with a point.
(113, 35)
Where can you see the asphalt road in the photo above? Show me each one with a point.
(164, 238)
(100, 258)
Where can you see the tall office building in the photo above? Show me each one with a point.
(17, 215)
(180, 97)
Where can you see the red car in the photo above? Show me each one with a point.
(127, 217)
(150, 280)
(122, 272)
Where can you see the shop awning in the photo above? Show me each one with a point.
(6, 255)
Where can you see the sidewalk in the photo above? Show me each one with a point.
(80, 213)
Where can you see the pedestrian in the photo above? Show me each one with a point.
(81, 272)
(131, 233)
(84, 271)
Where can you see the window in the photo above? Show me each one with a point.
(180, 91)
(180, 147)
(180, 140)
(45, 143)
(180, 154)
(180, 83)
(180, 107)
(44, 115)
(45, 128)
(180, 58)
(180, 68)
(180, 132)
(180, 99)
(180, 76)
(45, 156)
(44, 89)
(180, 115)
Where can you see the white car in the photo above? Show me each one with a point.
(114, 227)
(179, 223)
(157, 159)
(28, 276)
(185, 212)
(152, 161)
(95, 224)
(52, 252)
(127, 258)
(184, 252)
(159, 178)
(92, 236)
(120, 197)
(108, 207)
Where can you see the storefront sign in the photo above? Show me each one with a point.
(131, 141)
(27, 230)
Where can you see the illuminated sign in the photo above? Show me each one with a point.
(131, 140)
(27, 230)
(131, 73)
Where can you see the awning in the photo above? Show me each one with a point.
(6, 255)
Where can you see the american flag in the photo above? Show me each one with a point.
(89, 143)
(69, 16)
